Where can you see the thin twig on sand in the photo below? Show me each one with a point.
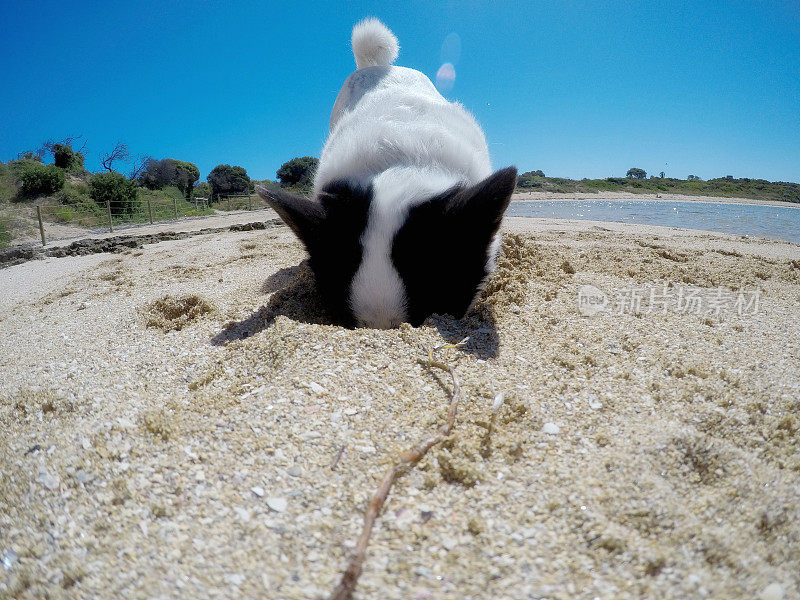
(338, 457)
(408, 459)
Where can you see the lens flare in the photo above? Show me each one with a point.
(446, 77)
(451, 49)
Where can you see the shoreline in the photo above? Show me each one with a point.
(665, 197)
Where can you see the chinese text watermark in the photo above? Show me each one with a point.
(663, 298)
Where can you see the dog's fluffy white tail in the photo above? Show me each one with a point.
(373, 44)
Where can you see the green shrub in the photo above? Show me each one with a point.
(76, 205)
(116, 190)
(37, 179)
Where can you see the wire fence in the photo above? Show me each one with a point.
(145, 209)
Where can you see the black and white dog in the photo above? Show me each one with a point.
(405, 211)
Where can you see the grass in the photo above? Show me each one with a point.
(73, 205)
(163, 203)
(8, 184)
(15, 221)
(5, 236)
(757, 189)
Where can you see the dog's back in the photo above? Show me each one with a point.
(405, 209)
(388, 116)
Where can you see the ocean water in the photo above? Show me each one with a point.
(775, 222)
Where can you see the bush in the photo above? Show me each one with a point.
(77, 206)
(74, 194)
(37, 179)
(116, 190)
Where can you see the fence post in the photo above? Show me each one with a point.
(149, 210)
(229, 202)
(249, 202)
(175, 205)
(41, 225)
(110, 222)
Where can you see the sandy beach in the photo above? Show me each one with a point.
(181, 421)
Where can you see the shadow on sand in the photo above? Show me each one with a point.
(478, 325)
(294, 295)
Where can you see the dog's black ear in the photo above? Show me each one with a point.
(481, 206)
(304, 216)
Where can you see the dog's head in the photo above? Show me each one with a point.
(380, 259)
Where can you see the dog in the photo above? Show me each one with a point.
(405, 210)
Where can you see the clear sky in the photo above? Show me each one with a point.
(577, 89)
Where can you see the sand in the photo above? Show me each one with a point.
(180, 420)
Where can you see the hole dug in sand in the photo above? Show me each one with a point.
(173, 314)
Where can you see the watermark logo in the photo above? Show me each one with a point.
(591, 300)
(647, 299)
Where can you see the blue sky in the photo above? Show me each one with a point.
(577, 89)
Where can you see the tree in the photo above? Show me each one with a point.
(298, 171)
(120, 153)
(692, 178)
(635, 173)
(139, 164)
(116, 190)
(187, 174)
(158, 173)
(64, 157)
(528, 179)
(225, 179)
(64, 154)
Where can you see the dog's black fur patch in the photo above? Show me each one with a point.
(330, 228)
(442, 249)
(336, 253)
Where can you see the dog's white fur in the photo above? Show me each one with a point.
(373, 44)
(392, 129)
